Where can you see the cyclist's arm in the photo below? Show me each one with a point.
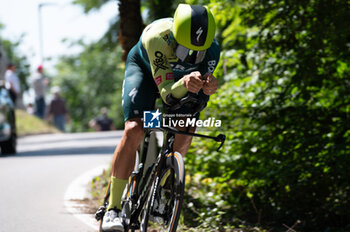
(211, 61)
(210, 84)
(158, 50)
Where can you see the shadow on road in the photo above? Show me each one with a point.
(67, 151)
(95, 143)
(62, 139)
(103, 150)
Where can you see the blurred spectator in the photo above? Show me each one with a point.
(12, 82)
(57, 110)
(30, 108)
(39, 85)
(102, 122)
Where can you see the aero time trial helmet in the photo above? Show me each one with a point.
(194, 27)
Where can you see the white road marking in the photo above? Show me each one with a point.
(76, 191)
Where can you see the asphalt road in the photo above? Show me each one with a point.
(34, 182)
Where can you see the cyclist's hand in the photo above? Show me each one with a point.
(210, 84)
(193, 82)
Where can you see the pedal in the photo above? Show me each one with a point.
(135, 226)
(100, 213)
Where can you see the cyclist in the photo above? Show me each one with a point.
(173, 56)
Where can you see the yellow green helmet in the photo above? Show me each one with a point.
(194, 27)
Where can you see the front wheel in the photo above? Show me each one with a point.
(164, 203)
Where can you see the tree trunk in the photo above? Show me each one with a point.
(131, 24)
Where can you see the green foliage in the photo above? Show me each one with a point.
(286, 117)
(89, 81)
(159, 9)
(89, 5)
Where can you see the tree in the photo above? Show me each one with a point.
(160, 9)
(130, 21)
(131, 24)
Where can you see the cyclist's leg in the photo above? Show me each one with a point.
(124, 155)
(183, 142)
(124, 159)
(139, 94)
(122, 165)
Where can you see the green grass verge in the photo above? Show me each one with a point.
(28, 124)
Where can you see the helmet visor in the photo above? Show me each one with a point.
(188, 55)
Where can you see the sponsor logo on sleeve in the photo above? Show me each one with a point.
(158, 80)
(159, 61)
(169, 76)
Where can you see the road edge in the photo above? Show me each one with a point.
(77, 192)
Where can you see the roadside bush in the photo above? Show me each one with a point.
(285, 110)
(279, 166)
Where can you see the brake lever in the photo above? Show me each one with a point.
(220, 138)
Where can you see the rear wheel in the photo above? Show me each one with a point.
(164, 203)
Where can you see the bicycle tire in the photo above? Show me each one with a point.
(174, 191)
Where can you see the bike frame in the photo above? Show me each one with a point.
(140, 181)
(141, 184)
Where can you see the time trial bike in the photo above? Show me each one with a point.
(154, 194)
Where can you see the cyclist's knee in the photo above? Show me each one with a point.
(133, 129)
(183, 142)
